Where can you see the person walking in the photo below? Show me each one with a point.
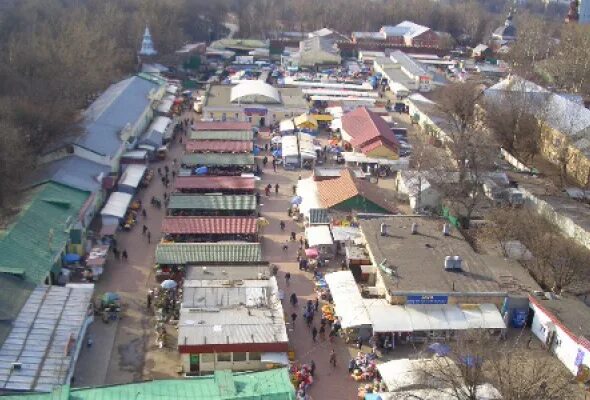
(144, 230)
(323, 332)
(314, 334)
(287, 278)
(264, 161)
(312, 368)
(283, 225)
(294, 190)
(333, 358)
(274, 165)
(293, 317)
(125, 255)
(286, 246)
(293, 300)
(277, 189)
(149, 299)
(143, 213)
(149, 236)
(293, 236)
(316, 304)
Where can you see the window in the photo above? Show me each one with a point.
(255, 356)
(239, 357)
(207, 357)
(224, 357)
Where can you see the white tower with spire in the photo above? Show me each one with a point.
(147, 45)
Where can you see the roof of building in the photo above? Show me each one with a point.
(506, 31)
(364, 125)
(214, 183)
(406, 29)
(569, 312)
(411, 66)
(218, 159)
(220, 312)
(219, 146)
(122, 104)
(14, 292)
(73, 171)
(222, 135)
(369, 35)
(335, 191)
(222, 126)
(205, 253)
(323, 172)
(33, 243)
(417, 260)
(318, 50)
(271, 384)
(211, 202)
(51, 317)
(209, 225)
(223, 272)
(318, 216)
(222, 95)
(245, 44)
(254, 91)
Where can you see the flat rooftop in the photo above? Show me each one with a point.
(417, 260)
(220, 96)
(571, 312)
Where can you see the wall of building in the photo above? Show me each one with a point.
(237, 114)
(554, 144)
(426, 39)
(209, 362)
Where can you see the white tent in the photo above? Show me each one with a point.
(348, 302)
(319, 235)
(308, 190)
(286, 126)
(131, 178)
(289, 150)
(115, 208)
(307, 147)
(160, 124)
(164, 107)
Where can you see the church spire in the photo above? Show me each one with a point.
(147, 45)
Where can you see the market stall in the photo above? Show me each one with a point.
(290, 152)
(286, 127)
(115, 209)
(320, 237)
(131, 178)
(96, 260)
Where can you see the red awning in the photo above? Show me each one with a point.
(210, 225)
(218, 146)
(214, 183)
(222, 126)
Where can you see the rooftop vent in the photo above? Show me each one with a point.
(446, 230)
(453, 263)
(383, 229)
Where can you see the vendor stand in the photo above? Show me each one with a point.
(96, 260)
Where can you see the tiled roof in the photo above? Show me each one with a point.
(375, 143)
(222, 135)
(213, 253)
(214, 183)
(364, 125)
(219, 146)
(222, 126)
(212, 202)
(335, 191)
(210, 225)
(34, 242)
(218, 159)
(318, 216)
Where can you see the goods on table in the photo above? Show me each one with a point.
(328, 312)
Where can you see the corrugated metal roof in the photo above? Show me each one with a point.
(219, 146)
(210, 225)
(271, 384)
(40, 232)
(122, 104)
(221, 159)
(211, 202)
(14, 292)
(199, 253)
(214, 183)
(222, 126)
(222, 135)
(318, 216)
(72, 171)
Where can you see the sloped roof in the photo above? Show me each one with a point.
(72, 171)
(220, 159)
(212, 202)
(209, 225)
(255, 91)
(222, 135)
(120, 105)
(405, 28)
(219, 146)
(33, 243)
(304, 120)
(199, 253)
(222, 126)
(14, 292)
(335, 191)
(364, 125)
(214, 182)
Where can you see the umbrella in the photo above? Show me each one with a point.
(311, 252)
(168, 284)
(297, 200)
(256, 151)
(72, 258)
(439, 349)
(110, 297)
(277, 153)
(201, 171)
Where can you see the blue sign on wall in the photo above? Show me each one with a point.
(427, 299)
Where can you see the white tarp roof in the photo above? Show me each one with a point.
(307, 146)
(318, 235)
(401, 164)
(160, 124)
(135, 154)
(117, 204)
(132, 175)
(289, 146)
(286, 125)
(402, 373)
(308, 190)
(344, 98)
(348, 302)
(275, 358)
(165, 106)
(491, 317)
(386, 317)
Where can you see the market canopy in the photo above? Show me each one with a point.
(215, 183)
(348, 303)
(219, 146)
(222, 135)
(132, 175)
(117, 204)
(209, 225)
(289, 146)
(401, 164)
(212, 202)
(222, 159)
(319, 235)
(286, 125)
(199, 253)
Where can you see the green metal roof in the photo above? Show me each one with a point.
(272, 384)
(34, 242)
(222, 135)
(197, 253)
(221, 159)
(212, 202)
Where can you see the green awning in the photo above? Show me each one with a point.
(218, 159)
(199, 253)
(212, 202)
